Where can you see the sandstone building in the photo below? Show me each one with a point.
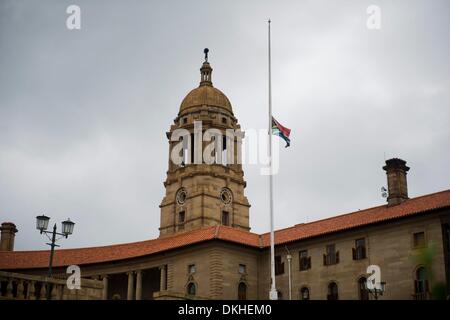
(206, 250)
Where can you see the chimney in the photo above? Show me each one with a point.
(8, 233)
(396, 170)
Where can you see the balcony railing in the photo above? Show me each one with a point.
(16, 286)
(421, 296)
(305, 263)
(330, 259)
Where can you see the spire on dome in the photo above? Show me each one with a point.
(206, 71)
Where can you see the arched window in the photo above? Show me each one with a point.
(332, 291)
(304, 293)
(421, 284)
(242, 291)
(362, 287)
(191, 289)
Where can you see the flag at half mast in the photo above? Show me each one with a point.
(283, 132)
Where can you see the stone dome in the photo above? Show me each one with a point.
(205, 94)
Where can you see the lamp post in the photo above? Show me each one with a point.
(67, 229)
(377, 290)
(289, 259)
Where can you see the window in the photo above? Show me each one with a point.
(362, 286)
(304, 260)
(225, 218)
(242, 269)
(304, 293)
(359, 251)
(185, 120)
(279, 266)
(242, 291)
(332, 291)
(224, 120)
(419, 239)
(224, 153)
(331, 256)
(181, 217)
(421, 284)
(446, 231)
(192, 269)
(191, 289)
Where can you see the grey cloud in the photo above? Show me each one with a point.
(83, 114)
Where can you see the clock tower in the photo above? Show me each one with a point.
(201, 192)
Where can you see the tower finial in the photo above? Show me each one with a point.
(205, 51)
(205, 71)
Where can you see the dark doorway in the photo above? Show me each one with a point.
(242, 291)
(151, 279)
(117, 286)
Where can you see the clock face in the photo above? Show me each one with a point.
(181, 196)
(226, 196)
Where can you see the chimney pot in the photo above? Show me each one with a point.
(8, 233)
(396, 171)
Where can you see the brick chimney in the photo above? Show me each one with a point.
(8, 233)
(396, 170)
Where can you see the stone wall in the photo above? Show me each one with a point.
(389, 246)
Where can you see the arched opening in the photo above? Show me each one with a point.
(362, 288)
(421, 284)
(242, 291)
(191, 289)
(304, 293)
(332, 291)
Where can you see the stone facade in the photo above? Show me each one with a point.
(389, 246)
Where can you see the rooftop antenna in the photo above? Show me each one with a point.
(384, 193)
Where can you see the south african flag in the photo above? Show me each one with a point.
(279, 130)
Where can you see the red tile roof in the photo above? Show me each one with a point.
(64, 257)
(83, 256)
(361, 218)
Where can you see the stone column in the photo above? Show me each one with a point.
(20, 290)
(54, 295)
(61, 292)
(31, 291)
(105, 287)
(130, 285)
(139, 285)
(9, 289)
(43, 293)
(163, 280)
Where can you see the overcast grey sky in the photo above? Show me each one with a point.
(83, 113)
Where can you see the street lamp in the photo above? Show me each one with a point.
(289, 259)
(376, 290)
(67, 229)
(42, 223)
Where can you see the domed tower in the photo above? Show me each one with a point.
(201, 193)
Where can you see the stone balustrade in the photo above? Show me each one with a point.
(34, 287)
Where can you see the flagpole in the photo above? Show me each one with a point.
(273, 295)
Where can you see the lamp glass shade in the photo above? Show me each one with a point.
(67, 227)
(42, 222)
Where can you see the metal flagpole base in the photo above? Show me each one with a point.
(273, 294)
